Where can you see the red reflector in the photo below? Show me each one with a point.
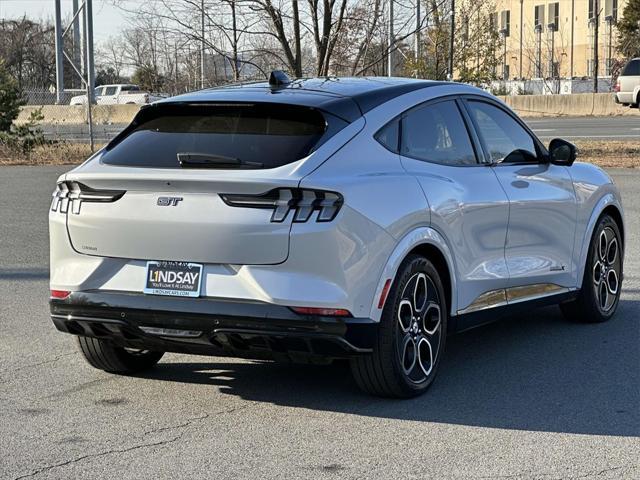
(323, 312)
(61, 294)
(384, 293)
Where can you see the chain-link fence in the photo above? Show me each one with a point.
(69, 121)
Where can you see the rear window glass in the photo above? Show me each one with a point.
(220, 136)
(632, 69)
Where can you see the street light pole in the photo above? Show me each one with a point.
(538, 30)
(609, 21)
(503, 34)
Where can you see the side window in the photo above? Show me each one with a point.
(503, 136)
(631, 69)
(437, 133)
(109, 91)
(388, 135)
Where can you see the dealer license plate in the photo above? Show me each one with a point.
(178, 279)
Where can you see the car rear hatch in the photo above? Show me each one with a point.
(161, 189)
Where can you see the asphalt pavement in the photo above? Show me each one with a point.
(528, 397)
(571, 128)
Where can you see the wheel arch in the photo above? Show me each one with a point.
(428, 242)
(607, 205)
(616, 214)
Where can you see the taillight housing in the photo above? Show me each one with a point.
(301, 201)
(60, 294)
(75, 193)
(616, 87)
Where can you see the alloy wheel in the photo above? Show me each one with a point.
(419, 329)
(606, 269)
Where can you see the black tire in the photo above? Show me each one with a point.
(597, 300)
(385, 372)
(104, 355)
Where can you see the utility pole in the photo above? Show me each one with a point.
(77, 53)
(91, 79)
(202, 46)
(59, 55)
(596, 28)
(451, 38)
(391, 41)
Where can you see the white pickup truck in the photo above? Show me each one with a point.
(121, 94)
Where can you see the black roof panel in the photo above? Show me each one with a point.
(346, 97)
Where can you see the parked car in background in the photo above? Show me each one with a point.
(121, 94)
(627, 87)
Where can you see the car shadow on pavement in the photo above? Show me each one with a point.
(534, 372)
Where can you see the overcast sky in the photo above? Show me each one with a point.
(107, 20)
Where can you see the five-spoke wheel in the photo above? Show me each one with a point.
(411, 335)
(606, 266)
(602, 282)
(419, 327)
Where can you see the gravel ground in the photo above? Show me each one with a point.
(527, 397)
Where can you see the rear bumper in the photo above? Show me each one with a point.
(211, 327)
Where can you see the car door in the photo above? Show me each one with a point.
(542, 203)
(468, 207)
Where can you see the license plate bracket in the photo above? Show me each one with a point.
(176, 279)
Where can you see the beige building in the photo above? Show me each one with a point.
(550, 39)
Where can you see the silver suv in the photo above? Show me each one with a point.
(627, 87)
(320, 219)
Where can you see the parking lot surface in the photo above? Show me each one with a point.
(527, 397)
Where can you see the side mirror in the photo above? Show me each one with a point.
(562, 152)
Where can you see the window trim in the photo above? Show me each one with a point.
(473, 138)
(541, 151)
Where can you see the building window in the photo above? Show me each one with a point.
(539, 15)
(611, 9)
(505, 22)
(554, 16)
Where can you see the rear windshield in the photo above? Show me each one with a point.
(220, 136)
(631, 69)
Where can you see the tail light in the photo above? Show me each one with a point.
(616, 87)
(76, 193)
(302, 202)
